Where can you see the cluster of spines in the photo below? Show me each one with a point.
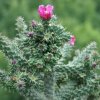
(81, 72)
(38, 51)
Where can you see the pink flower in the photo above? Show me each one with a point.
(72, 40)
(46, 12)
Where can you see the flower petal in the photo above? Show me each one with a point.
(49, 8)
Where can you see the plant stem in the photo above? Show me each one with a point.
(49, 85)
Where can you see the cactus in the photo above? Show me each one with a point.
(42, 66)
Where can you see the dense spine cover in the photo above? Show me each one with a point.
(42, 67)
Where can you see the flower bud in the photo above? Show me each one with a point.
(94, 65)
(14, 62)
(33, 23)
(72, 40)
(30, 34)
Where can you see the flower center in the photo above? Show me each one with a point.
(46, 12)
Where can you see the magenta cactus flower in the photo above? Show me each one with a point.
(72, 40)
(46, 12)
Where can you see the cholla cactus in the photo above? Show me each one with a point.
(40, 62)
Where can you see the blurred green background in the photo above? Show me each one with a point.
(80, 17)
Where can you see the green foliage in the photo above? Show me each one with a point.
(80, 75)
